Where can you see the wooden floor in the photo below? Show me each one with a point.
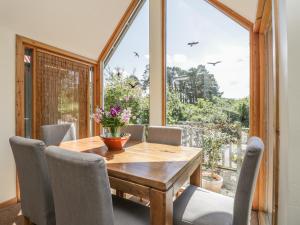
(12, 216)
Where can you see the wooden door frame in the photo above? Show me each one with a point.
(21, 43)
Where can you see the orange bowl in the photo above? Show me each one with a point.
(115, 143)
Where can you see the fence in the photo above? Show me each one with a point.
(232, 154)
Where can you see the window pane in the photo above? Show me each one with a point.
(208, 84)
(28, 92)
(126, 73)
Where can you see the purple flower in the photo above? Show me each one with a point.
(114, 111)
(98, 115)
(125, 116)
(118, 108)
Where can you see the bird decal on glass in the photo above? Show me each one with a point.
(214, 63)
(133, 85)
(191, 44)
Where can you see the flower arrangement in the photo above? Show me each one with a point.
(113, 119)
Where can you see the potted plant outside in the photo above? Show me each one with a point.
(212, 142)
(214, 137)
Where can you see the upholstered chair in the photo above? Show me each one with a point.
(36, 194)
(137, 132)
(81, 192)
(164, 135)
(197, 206)
(55, 134)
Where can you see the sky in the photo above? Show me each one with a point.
(219, 37)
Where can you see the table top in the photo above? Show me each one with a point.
(149, 164)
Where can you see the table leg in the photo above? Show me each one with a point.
(161, 207)
(196, 177)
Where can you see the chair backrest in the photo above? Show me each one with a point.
(247, 182)
(137, 131)
(36, 193)
(164, 135)
(55, 134)
(81, 189)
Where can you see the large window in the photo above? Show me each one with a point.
(126, 68)
(207, 84)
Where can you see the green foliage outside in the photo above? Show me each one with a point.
(127, 92)
(193, 96)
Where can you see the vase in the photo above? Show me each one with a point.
(113, 132)
(115, 143)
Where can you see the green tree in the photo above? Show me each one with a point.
(192, 84)
(127, 92)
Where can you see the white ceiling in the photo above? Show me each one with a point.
(246, 8)
(79, 26)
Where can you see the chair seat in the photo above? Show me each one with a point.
(129, 212)
(198, 206)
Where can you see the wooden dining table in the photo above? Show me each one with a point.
(148, 170)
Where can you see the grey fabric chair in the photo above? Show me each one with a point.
(197, 206)
(55, 134)
(164, 135)
(137, 131)
(81, 192)
(36, 194)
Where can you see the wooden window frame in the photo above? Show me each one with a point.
(21, 44)
(265, 20)
(112, 41)
(257, 79)
(257, 88)
(245, 23)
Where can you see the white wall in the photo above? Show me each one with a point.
(79, 26)
(7, 114)
(289, 55)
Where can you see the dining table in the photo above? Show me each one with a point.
(152, 171)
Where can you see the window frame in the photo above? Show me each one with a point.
(257, 79)
(257, 83)
(111, 45)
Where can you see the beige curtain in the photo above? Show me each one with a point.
(61, 92)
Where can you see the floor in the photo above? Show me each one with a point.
(12, 216)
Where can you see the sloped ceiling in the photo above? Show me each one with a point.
(79, 26)
(246, 8)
